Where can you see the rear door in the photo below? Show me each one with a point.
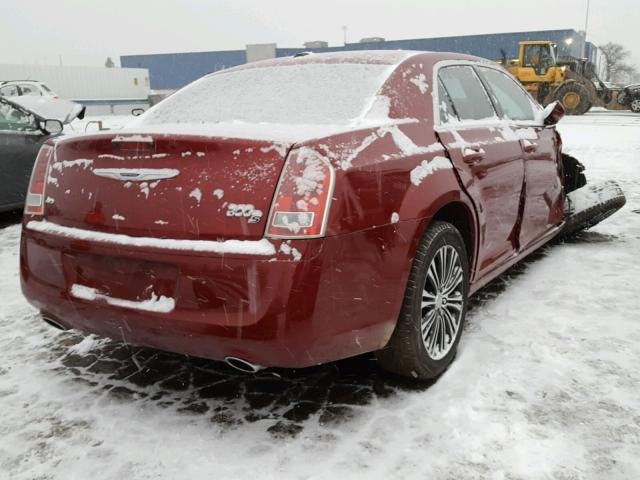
(543, 207)
(488, 158)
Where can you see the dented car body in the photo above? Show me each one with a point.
(295, 242)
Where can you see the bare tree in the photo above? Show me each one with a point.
(109, 63)
(625, 74)
(614, 60)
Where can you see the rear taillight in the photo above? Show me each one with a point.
(34, 205)
(301, 203)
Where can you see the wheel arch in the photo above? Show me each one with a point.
(460, 216)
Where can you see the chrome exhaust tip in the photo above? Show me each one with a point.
(54, 324)
(242, 365)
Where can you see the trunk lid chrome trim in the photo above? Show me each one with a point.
(137, 174)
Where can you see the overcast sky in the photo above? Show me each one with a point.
(85, 32)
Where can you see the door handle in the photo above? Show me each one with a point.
(528, 147)
(472, 154)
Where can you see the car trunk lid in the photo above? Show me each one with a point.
(178, 186)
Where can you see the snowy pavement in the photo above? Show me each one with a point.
(546, 384)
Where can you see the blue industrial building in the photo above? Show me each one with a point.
(170, 71)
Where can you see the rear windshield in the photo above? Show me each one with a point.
(293, 94)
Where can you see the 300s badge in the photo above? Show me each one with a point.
(244, 210)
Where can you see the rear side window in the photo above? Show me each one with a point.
(445, 107)
(468, 96)
(515, 104)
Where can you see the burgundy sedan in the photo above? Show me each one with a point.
(297, 211)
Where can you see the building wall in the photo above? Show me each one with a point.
(84, 83)
(486, 46)
(174, 70)
(170, 71)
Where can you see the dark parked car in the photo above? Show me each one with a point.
(629, 96)
(297, 211)
(22, 133)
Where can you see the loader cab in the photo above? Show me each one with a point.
(540, 56)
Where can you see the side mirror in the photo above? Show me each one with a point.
(136, 112)
(52, 127)
(552, 113)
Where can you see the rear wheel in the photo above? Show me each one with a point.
(426, 337)
(574, 97)
(635, 105)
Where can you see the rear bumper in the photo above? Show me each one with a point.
(339, 297)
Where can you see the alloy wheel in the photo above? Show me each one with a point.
(442, 302)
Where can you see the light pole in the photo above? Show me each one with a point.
(586, 26)
(344, 30)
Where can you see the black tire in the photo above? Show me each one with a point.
(573, 89)
(612, 200)
(406, 354)
(634, 105)
(589, 105)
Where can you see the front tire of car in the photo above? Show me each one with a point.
(635, 105)
(426, 337)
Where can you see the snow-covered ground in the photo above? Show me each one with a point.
(546, 383)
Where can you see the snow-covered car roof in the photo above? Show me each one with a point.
(48, 108)
(7, 82)
(371, 57)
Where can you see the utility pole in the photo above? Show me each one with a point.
(586, 26)
(344, 31)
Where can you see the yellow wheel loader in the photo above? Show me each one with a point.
(569, 80)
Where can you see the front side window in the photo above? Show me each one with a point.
(15, 120)
(468, 96)
(515, 103)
